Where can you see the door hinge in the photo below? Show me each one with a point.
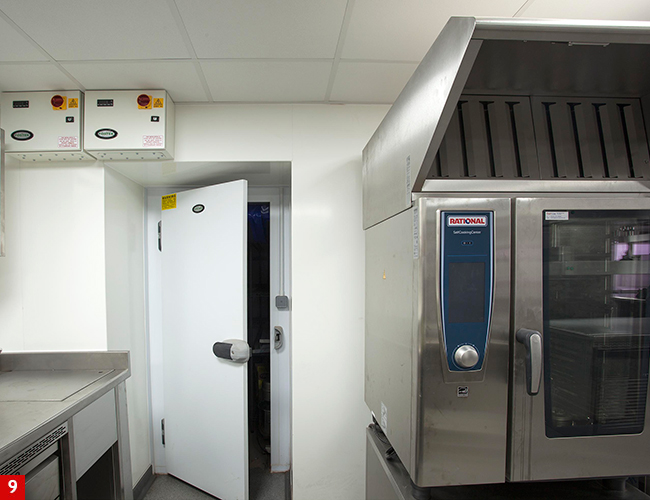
(162, 427)
(160, 236)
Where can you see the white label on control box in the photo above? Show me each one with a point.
(68, 141)
(152, 141)
(384, 418)
(556, 215)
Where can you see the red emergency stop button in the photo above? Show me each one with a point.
(58, 102)
(144, 101)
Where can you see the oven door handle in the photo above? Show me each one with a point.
(532, 340)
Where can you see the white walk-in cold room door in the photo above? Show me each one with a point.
(203, 244)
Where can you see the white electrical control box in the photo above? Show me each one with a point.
(44, 125)
(129, 125)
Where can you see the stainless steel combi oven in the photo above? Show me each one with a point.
(507, 217)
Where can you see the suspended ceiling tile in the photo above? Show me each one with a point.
(404, 30)
(15, 47)
(33, 76)
(370, 82)
(263, 28)
(179, 78)
(267, 81)
(630, 10)
(116, 29)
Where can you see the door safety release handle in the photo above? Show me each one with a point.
(233, 350)
(278, 337)
(532, 340)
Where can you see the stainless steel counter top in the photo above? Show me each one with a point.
(46, 385)
(40, 391)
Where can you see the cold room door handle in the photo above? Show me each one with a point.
(233, 350)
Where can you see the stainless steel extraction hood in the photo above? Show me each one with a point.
(510, 99)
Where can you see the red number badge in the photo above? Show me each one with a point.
(12, 487)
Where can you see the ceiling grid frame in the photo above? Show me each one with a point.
(180, 24)
(523, 8)
(357, 74)
(339, 48)
(38, 47)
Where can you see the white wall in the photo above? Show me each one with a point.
(52, 278)
(125, 304)
(73, 275)
(324, 144)
(11, 290)
(329, 414)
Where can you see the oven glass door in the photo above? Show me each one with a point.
(596, 342)
(580, 339)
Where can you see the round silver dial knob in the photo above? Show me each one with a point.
(466, 356)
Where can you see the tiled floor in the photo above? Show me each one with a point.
(262, 485)
(170, 488)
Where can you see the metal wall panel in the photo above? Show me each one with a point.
(403, 148)
(378, 482)
(390, 304)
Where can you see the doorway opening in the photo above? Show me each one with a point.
(272, 193)
(263, 485)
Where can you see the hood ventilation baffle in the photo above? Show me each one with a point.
(488, 137)
(562, 138)
(591, 138)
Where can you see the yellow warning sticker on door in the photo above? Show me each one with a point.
(158, 102)
(169, 201)
(73, 102)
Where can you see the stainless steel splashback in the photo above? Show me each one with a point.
(515, 99)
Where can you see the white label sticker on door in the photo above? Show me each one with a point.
(69, 141)
(556, 215)
(384, 418)
(152, 141)
(416, 233)
(408, 180)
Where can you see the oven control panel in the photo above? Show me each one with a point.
(466, 286)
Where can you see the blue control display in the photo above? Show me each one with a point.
(467, 252)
